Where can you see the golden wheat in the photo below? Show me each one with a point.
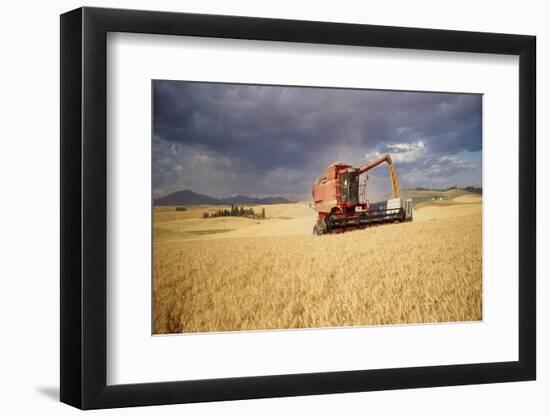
(420, 272)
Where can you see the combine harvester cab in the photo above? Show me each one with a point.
(342, 204)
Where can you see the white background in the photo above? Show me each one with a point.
(29, 214)
(134, 356)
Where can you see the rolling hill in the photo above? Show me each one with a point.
(189, 197)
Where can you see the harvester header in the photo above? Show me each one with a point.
(342, 204)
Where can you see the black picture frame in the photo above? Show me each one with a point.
(84, 207)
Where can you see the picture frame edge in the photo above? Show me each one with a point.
(83, 233)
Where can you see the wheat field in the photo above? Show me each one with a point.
(234, 274)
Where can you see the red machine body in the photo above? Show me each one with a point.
(327, 191)
(341, 205)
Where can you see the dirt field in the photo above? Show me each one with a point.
(231, 273)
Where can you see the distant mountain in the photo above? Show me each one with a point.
(188, 197)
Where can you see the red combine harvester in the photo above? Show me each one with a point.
(342, 202)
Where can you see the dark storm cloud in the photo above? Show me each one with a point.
(221, 139)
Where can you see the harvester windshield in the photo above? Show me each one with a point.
(350, 187)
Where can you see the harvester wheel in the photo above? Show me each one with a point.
(317, 229)
(320, 228)
(327, 223)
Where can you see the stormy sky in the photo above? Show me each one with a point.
(227, 139)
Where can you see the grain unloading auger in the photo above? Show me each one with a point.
(342, 204)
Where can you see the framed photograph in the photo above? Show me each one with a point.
(257, 208)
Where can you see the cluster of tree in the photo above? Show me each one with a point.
(436, 189)
(181, 209)
(236, 211)
(473, 189)
(469, 188)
